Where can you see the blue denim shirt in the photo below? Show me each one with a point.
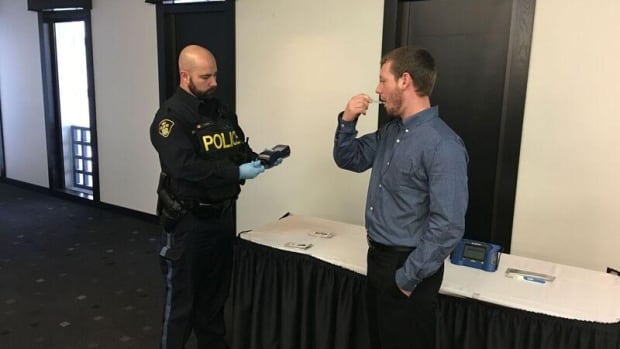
(417, 195)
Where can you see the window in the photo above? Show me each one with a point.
(82, 158)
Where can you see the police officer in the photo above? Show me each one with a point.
(204, 159)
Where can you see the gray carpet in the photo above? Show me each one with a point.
(75, 276)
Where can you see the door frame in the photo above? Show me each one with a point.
(51, 98)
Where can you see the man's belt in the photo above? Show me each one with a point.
(388, 248)
(206, 209)
(191, 204)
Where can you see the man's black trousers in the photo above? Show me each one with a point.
(395, 320)
(196, 261)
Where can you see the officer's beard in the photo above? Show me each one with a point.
(204, 95)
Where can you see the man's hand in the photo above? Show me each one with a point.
(356, 106)
(405, 292)
(250, 170)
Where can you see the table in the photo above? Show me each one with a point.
(285, 297)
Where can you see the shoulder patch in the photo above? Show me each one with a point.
(165, 127)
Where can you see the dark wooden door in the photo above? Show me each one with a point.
(210, 24)
(481, 49)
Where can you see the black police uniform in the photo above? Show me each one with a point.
(200, 146)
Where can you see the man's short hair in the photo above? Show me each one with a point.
(418, 63)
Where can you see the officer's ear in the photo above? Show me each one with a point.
(184, 76)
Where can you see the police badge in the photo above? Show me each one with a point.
(165, 127)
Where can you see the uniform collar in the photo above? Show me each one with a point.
(189, 99)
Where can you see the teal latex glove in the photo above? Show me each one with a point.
(250, 170)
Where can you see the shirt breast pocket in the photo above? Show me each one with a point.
(405, 175)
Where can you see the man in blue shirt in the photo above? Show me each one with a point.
(416, 201)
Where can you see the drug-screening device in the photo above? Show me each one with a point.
(476, 254)
(269, 157)
(527, 275)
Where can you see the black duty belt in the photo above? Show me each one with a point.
(206, 209)
(388, 248)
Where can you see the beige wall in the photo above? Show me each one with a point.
(567, 205)
(127, 97)
(297, 66)
(21, 93)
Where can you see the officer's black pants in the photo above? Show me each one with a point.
(196, 260)
(394, 320)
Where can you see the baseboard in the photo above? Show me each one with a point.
(118, 209)
(25, 185)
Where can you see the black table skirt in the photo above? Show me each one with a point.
(289, 300)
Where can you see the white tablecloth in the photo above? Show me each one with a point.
(575, 293)
(347, 248)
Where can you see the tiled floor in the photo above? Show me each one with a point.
(74, 276)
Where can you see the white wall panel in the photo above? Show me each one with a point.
(21, 93)
(298, 63)
(568, 193)
(127, 97)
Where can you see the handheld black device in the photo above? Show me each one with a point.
(268, 157)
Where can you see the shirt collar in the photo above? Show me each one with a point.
(421, 117)
(189, 99)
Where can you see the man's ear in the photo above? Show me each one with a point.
(405, 81)
(184, 76)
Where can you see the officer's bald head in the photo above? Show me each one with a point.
(193, 56)
(197, 71)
